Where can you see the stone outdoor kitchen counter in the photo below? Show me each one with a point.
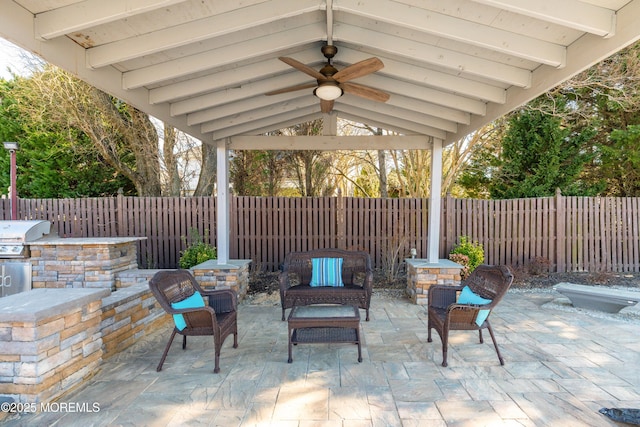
(83, 241)
(50, 341)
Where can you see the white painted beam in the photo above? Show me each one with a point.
(422, 112)
(239, 108)
(331, 143)
(460, 62)
(286, 124)
(416, 128)
(90, 13)
(428, 77)
(429, 109)
(252, 116)
(449, 27)
(198, 30)
(249, 127)
(259, 88)
(393, 111)
(229, 78)
(269, 127)
(438, 99)
(375, 123)
(426, 94)
(224, 55)
(575, 14)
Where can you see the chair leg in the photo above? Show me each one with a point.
(367, 319)
(445, 345)
(495, 344)
(217, 347)
(166, 350)
(235, 338)
(480, 335)
(283, 314)
(184, 342)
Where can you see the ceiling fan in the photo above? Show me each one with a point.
(331, 83)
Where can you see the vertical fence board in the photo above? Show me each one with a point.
(572, 233)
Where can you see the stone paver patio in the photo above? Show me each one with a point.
(562, 366)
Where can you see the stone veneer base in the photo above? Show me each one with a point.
(422, 274)
(50, 342)
(232, 275)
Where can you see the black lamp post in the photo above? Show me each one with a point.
(13, 147)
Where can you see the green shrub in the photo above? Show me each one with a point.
(197, 251)
(472, 250)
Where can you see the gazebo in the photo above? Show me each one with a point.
(205, 67)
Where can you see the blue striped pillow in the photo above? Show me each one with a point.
(326, 272)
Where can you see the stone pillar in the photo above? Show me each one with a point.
(232, 275)
(421, 275)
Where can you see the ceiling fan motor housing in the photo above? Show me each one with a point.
(329, 51)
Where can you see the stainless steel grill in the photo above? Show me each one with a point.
(15, 237)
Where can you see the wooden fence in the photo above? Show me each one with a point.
(570, 233)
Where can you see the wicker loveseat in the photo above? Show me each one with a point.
(357, 276)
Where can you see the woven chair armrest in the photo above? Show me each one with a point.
(442, 296)
(463, 313)
(222, 300)
(172, 310)
(473, 307)
(284, 279)
(368, 281)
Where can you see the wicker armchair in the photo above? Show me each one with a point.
(357, 275)
(218, 319)
(445, 314)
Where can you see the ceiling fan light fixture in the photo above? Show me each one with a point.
(328, 91)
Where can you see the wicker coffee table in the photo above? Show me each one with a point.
(324, 324)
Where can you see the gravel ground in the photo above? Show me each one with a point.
(264, 287)
(626, 280)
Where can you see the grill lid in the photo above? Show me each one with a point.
(23, 232)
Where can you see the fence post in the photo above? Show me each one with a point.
(120, 209)
(448, 232)
(561, 235)
(340, 226)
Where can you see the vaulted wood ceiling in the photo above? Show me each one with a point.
(204, 66)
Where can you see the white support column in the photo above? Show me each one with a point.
(433, 244)
(222, 200)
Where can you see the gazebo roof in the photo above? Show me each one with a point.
(204, 66)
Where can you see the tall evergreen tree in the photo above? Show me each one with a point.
(622, 155)
(53, 161)
(539, 154)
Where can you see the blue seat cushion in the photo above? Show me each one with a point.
(326, 272)
(194, 301)
(467, 296)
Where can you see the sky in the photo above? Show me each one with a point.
(11, 56)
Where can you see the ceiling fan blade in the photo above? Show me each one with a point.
(358, 69)
(365, 92)
(326, 106)
(292, 88)
(302, 67)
